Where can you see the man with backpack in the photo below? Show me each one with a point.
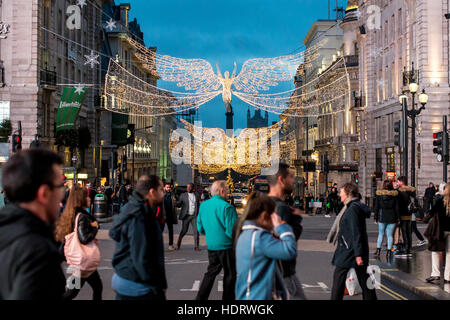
(406, 203)
(138, 260)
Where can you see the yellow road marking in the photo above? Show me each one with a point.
(396, 298)
(393, 292)
(389, 269)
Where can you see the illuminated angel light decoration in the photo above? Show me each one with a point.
(248, 153)
(126, 93)
(198, 75)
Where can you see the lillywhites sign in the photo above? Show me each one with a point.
(4, 30)
(69, 107)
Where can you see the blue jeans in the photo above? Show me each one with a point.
(387, 228)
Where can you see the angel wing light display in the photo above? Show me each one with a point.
(126, 93)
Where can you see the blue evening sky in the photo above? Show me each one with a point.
(227, 31)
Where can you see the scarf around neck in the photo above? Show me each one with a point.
(332, 235)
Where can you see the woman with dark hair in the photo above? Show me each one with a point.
(349, 234)
(438, 234)
(262, 240)
(77, 205)
(386, 216)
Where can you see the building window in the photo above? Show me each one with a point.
(356, 155)
(365, 130)
(4, 110)
(357, 125)
(390, 160)
(378, 129)
(378, 163)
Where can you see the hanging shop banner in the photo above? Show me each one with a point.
(69, 107)
(119, 129)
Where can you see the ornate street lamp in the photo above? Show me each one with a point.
(411, 79)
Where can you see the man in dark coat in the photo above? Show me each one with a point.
(123, 193)
(30, 266)
(282, 184)
(138, 259)
(349, 233)
(428, 197)
(406, 195)
(189, 203)
(171, 216)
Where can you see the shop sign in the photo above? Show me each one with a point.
(69, 176)
(82, 176)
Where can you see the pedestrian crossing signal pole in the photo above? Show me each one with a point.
(445, 151)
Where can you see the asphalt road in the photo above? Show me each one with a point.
(185, 268)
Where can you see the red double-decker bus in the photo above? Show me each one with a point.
(258, 183)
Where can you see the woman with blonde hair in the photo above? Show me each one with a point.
(438, 233)
(77, 204)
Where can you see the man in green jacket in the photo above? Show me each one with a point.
(216, 219)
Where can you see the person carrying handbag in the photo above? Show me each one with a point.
(77, 229)
(438, 233)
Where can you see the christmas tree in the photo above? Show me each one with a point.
(230, 182)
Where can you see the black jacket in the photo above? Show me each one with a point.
(333, 200)
(429, 193)
(352, 237)
(405, 196)
(122, 194)
(30, 267)
(86, 232)
(169, 209)
(139, 253)
(295, 221)
(386, 206)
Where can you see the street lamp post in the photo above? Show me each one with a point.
(413, 85)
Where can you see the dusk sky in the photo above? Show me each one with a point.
(228, 31)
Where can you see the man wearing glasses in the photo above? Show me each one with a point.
(31, 263)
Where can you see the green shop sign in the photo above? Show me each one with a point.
(69, 107)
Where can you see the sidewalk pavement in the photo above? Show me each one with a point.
(410, 273)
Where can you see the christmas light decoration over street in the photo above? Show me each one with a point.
(124, 93)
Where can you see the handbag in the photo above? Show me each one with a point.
(84, 258)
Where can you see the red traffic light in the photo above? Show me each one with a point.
(17, 139)
(434, 135)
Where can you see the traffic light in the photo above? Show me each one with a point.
(441, 145)
(356, 177)
(16, 142)
(130, 133)
(398, 138)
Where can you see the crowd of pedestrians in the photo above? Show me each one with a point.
(47, 223)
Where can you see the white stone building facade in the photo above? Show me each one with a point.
(396, 34)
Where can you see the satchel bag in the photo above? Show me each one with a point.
(84, 258)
